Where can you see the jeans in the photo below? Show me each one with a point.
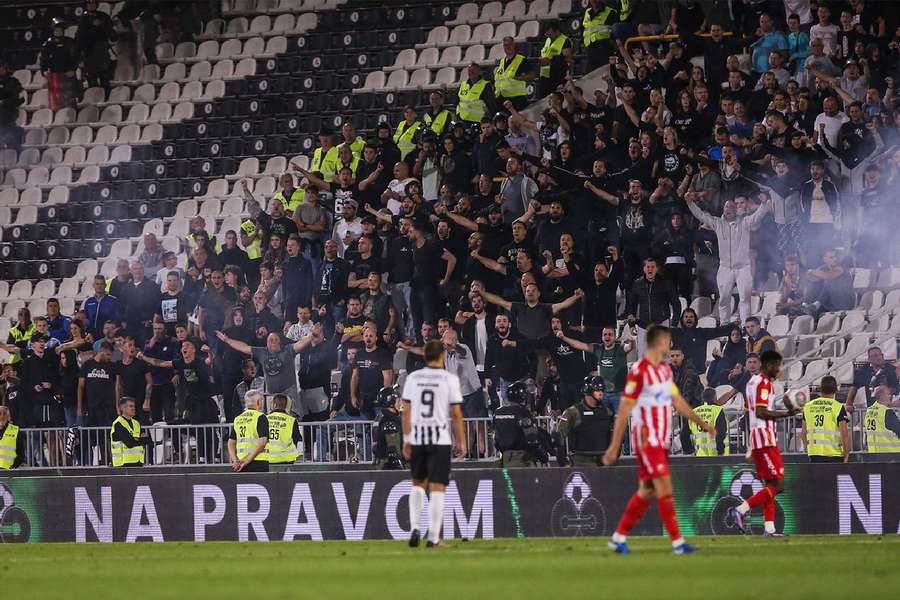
(611, 400)
(401, 296)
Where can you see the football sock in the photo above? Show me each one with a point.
(435, 516)
(635, 509)
(666, 506)
(416, 501)
(769, 515)
(760, 498)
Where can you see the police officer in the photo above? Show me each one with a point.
(249, 435)
(388, 435)
(556, 59)
(437, 118)
(825, 431)
(59, 59)
(882, 423)
(475, 97)
(587, 426)
(95, 34)
(702, 443)
(284, 434)
(12, 445)
(126, 441)
(511, 76)
(405, 134)
(596, 25)
(11, 99)
(512, 427)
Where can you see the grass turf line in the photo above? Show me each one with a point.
(814, 567)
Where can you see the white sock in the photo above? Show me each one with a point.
(744, 508)
(416, 501)
(618, 538)
(770, 526)
(435, 516)
(678, 542)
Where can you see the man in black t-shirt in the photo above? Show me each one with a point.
(331, 281)
(400, 271)
(432, 268)
(97, 401)
(372, 370)
(876, 372)
(135, 380)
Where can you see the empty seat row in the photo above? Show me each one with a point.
(41, 176)
(75, 156)
(249, 7)
(431, 57)
(494, 12)
(486, 33)
(85, 135)
(259, 26)
(224, 67)
(10, 196)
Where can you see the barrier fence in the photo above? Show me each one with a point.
(337, 442)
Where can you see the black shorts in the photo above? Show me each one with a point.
(431, 463)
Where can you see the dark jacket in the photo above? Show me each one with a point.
(688, 382)
(652, 302)
(761, 343)
(296, 283)
(831, 197)
(510, 363)
(59, 55)
(692, 340)
(141, 303)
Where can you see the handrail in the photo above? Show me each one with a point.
(671, 36)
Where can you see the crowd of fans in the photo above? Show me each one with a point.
(510, 238)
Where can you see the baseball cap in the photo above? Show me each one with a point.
(369, 219)
(40, 337)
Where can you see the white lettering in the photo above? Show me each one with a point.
(202, 517)
(301, 501)
(247, 519)
(86, 512)
(482, 512)
(392, 504)
(849, 501)
(353, 531)
(143, 503)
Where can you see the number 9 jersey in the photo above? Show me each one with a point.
(430, 393)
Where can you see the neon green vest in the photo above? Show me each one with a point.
(354, 163)
(704, 443)
(291, 203)
(552, 48)
(823, 438)
(8, 446)
(281, 448)
(404, 136)
(596, 28)
(624, 10)
(254, 249)
(324, 164)
(505, 83)
(439, 123)
(245, 429)
(471, 107)
(356, 146)
(19, 336)
(122, 455)
(878, 437)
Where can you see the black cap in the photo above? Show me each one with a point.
(495, 208)
(325, 130)
(384, 125)
(501, 116)
(369, 219)
(40, 337)
(502, 145)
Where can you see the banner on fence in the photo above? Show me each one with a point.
(486, 503)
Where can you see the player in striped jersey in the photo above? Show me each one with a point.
(432, 401)
(650, 394)
(760, 404)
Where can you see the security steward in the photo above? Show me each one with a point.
(511, 76)
(388, 434)
(249, 436)
(882, 423)
(325, 157)
(20, 333)
(596, 26)
(587, 426)
(825, 429)
(405, 134)
(513, 426)
(289, 196)
(12, 445)
(475, 98)
(702, 443)
(126, 441)
(556, 59)
(437, 118)
(284, 434)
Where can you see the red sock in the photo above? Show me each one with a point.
(769, 510)
(666, 507)
(635, 509)
(761, 497)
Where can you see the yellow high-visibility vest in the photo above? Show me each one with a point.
(438, 123)
(122, 455)
(354, 163)
(596, 28)
(254, 249)
(281, 447)
(404, 136)
(324, 163)
(624, 10)
(291, 203)
(505, 83)
(471, 107)
(704, 443)
(356, 146)
(8, 446)
(552, 48)
(19, 335)
(823, 437)
(878, 437)
(245, 429)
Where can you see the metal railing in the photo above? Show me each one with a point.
(339, 442)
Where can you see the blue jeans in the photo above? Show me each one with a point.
(611, 399)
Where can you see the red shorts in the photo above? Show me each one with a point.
(769, 464)
(653, 462)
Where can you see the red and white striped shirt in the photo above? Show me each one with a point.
(760, 392)
(652, 388)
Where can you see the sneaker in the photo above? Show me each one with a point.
(684, 549)
(618, 547)
(738, 519)
(774, 534)
(414, 539)
(431, 544)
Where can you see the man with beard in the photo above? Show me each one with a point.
(315, 362)
(692, 339)
(173, 305)
(261, 321)
(495, 233)
(569, 361)
(477, 327)
(134, 380)
(505, 361)
(600, 295)
(332, 279)
(685, 376)
(296, 279)
(400, 270)
(162, 395)
(213, 305)
(274, 222)
(372, 370)
(429, 274)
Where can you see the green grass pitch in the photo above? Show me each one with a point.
(814, 567)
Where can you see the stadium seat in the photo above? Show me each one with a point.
(490, 12)
(437, 37)
(815, 370)
(802, 325)
(828, 323)
(467, 13)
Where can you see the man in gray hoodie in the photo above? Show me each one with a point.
(733, 234)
